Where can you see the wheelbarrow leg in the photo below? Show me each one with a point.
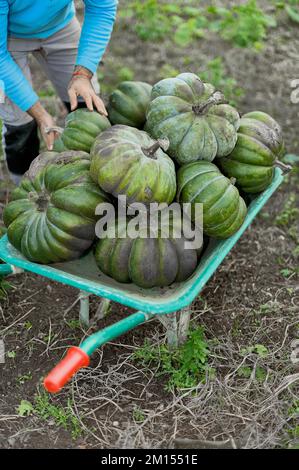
(84, 313)
(184, 323)
(169, 321)
(103, 309)
(177, 326)
(84, 308)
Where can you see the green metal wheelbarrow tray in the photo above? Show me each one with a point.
(84, 275)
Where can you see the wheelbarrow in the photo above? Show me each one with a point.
(164, 303)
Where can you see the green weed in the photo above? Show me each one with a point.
(74, 323)
(291, 8)
(125, 73)
(214, 72)
(246, 372)
(264, 309)
(293, 432)
(150, 19)
(189, 30)
(46, 410)
(138, 415)
(11, 354)
(288, 219)
(25, 408)
(289, 213)
(117, 74)
(21, 379)
(185, 366)
(258, 349)
(245, 25)
(288, 272)
(4, 288)
(294, 408)
(154, 21)
(63, 417)
(28, 325)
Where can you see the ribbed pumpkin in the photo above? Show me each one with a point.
(51, 216)
(147, 261)
(59, 145)
(224, 210)
(259, 146)
(81, 128)
(128, 103)
(194, 117)
(126, 161)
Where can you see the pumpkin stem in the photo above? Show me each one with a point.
(216, 98)
(151, 151)
(42, 202)
(285, 168)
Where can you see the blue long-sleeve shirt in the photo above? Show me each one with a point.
(41, 19)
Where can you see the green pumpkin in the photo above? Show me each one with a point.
(51, 216)
(59, 145)
(147, 261)
(81, 128)
(128, 103)
(194, 117)
(126, 161)
(259, 146)
(224, 210)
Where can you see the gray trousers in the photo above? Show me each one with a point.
(56, 55)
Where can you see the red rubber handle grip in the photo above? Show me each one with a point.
(74, 360)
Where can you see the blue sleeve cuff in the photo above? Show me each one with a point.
(84, 62)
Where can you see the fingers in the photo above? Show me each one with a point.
(49, 139)
(88, 100)
(84, 89)
(99, 105)
(73, 99)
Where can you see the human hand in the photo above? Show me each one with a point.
(80, 85)
(45, 122)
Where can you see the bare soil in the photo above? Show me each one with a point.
(249, 301)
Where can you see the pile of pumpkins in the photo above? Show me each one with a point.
(158, 145)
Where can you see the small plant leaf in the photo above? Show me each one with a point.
(292, 13)
(25, 408)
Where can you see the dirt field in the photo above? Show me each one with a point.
(249, 310)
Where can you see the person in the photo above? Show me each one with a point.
(50, 31)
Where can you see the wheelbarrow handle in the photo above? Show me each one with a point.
(78, 357)
(74, 360)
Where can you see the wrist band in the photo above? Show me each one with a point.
(82, 74)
